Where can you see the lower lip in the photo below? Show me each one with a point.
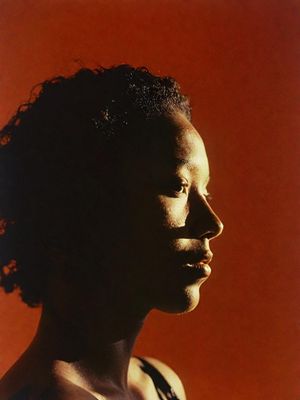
(196, 271)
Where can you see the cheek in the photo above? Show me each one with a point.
(173, 211)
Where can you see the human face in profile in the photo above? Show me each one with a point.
(165, 247)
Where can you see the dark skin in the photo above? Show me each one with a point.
(152, 256)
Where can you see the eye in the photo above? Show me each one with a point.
(177, 187)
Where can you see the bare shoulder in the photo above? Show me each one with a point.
(170, 375)
(15, 389)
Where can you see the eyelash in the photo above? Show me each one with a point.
(178, 183)
(183, 185)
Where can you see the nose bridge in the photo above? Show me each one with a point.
(205, 222)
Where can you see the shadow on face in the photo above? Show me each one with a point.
(155, 222)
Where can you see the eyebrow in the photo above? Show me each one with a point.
(182, 161)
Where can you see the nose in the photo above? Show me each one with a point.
(204, 222)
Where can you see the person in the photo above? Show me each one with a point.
(105, 216)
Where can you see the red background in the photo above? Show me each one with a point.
(239, 61)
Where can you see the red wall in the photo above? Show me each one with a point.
(239, 61)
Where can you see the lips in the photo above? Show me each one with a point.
(198, 259)
(194, 266)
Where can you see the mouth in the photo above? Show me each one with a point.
(200, 269)
(198, 265)
(199, 259)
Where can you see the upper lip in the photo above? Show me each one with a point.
(199, 258)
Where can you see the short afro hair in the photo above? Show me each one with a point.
(49, 159)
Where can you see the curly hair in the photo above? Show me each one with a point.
(52, 152)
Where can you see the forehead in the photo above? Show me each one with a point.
(174, 142)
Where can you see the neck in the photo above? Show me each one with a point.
(94, 355)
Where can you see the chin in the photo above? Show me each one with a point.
(181, 301)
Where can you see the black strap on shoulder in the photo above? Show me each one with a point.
(162, 386)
